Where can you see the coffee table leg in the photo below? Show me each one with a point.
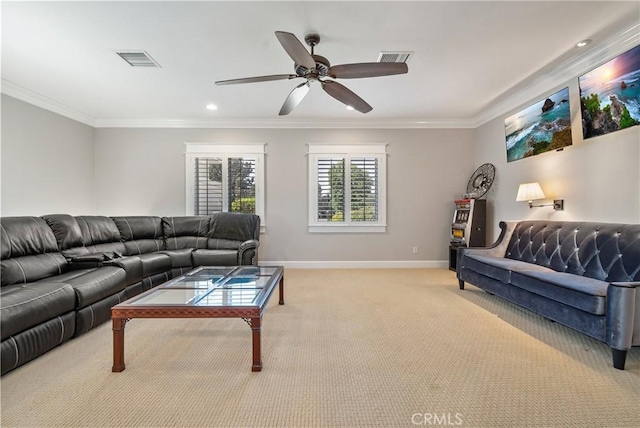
(257, 357)
(281, 291)
(118, 344)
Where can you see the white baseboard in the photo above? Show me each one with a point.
(372, 264)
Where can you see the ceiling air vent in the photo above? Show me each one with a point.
(399, 56)
(138, 59)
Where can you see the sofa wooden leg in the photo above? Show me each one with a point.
(461, 284)
(619, 358)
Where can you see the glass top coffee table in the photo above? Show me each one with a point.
(205, 292)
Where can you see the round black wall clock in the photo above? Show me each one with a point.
(481, 180)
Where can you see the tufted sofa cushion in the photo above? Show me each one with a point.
(606, 252)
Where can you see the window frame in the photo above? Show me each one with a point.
(225, 151)
(317, 151)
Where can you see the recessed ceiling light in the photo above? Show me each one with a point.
(350, 108)
(212, 107)
(583, 43)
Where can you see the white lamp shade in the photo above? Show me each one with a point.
(529, 192)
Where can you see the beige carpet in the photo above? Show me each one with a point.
(351, 348)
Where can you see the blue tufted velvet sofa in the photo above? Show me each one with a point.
(580, 274)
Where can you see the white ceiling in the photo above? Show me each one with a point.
(468, 57)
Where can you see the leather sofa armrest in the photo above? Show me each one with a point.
(88, 261)
(248, 252)
(132, 266)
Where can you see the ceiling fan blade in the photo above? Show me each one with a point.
(367, 69)
(294, 98)
(346, 96)
(257, 79)
(295, 49)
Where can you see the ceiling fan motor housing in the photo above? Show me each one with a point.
(322, 66)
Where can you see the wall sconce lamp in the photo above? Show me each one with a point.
(532, 191)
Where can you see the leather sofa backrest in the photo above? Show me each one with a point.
(100, 234)
(604, 251)
(66, 230)
(29, 251)
(140, 234)
(185, 232)
(237, 227)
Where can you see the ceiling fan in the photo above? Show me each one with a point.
(316, 68)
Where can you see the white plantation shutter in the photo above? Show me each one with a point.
(225, 177)
(241, 185)
(345, 199)
(330, 189)
(208, 186)
(364, 189)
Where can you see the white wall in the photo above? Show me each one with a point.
(47, 162)
(598, 178)
(141, 172)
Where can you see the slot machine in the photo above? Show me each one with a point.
(468, 226)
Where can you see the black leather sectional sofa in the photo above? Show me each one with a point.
(61, 275)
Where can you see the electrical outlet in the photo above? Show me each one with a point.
(415, 250)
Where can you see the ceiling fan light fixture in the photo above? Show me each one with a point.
(212, 107)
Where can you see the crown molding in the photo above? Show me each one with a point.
(282, 123)
(38, 100)
(547, 78)
(541, 82)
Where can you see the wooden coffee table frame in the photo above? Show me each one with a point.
(252, 315)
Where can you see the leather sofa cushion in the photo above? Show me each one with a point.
(222, 244)
(93, 285)
(31, 268)
(180, 258)
(109, 248)
(132, 266)
(143, 246)
(26, 305)
(185, 232)
(141, 234)
(97, 230)
(66, 230)
(25, 236)
(577, 291)
(234, 226)
(154, 263)
(497, 267)
(138, 227)
(215, 258)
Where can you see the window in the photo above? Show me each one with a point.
(223, 177)
(347, 188)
